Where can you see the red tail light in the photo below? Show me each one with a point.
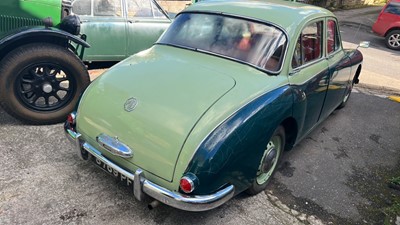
(187, 184)
(71, 118)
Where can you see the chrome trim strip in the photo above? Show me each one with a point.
(194, 203)
(143, 186)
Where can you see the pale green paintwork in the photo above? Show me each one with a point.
(165, 114)
(178, 63)
(114, 38)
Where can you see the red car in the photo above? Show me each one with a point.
(388, 24)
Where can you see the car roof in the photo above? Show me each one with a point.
(286, 14)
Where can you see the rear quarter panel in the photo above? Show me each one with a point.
(232, 152)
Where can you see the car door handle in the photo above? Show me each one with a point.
(294, 71)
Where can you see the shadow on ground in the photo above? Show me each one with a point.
(341, 171)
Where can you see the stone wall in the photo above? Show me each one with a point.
(343, 3)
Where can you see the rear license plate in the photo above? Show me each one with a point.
(117, 175)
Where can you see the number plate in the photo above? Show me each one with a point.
(118, 176)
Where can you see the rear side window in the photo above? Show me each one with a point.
(100, 7)
(393, 8)
(82, 7)
(333, 42)
(107, 8)
(309, 45)
(143, 8)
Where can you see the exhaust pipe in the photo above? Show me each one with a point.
(153, 204)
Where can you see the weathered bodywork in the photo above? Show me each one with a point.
(117, 29)
(193, 110)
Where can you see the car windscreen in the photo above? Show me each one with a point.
(256, 43)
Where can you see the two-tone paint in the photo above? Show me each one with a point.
(211, 116)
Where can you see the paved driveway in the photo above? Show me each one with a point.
(43, 182)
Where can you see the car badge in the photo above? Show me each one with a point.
(130, 104)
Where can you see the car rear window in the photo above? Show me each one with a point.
(252, 42)
(393, 8)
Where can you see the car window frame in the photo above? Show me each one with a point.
(122, 16)
(268, 23)
(340, 47)
(394, 5)
(323, 47)
(153, 3)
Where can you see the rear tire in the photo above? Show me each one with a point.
(41, 83)
(393, 40)
(346, 97)
(269, 161)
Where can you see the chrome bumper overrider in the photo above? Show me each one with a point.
(143, 186)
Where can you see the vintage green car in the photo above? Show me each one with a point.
(207, 112)
(117, 29)
(41, 72)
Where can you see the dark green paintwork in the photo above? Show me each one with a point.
(232, 153)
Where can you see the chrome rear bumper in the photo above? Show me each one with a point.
(142, 186)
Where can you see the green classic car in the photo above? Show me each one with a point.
(117, 29)
(207, 112)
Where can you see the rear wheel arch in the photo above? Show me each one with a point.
(291, 131)
(8, 47)
(391, 29)
(358, 72)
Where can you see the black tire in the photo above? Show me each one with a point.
(392, 40)
(40, 83)
(268, 165)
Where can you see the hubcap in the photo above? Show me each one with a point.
(346, 97)
(269, 160)
(47, 88)
(394, 40)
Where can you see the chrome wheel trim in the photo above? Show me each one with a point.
(274, 144)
